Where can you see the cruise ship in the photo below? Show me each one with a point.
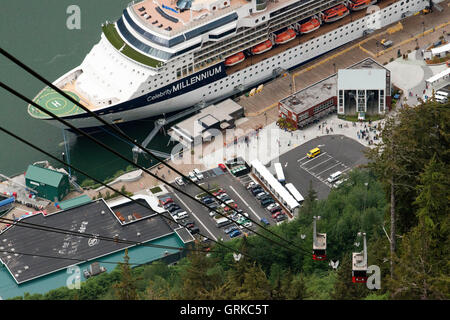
(162, 56)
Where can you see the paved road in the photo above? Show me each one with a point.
(338, 153)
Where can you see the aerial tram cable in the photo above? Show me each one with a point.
(359, 263)
(19, 95)
(120, 133)
(117, 191)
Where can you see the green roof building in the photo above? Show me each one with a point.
(49, 184)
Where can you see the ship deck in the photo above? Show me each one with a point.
(58, 104)
(324, 28)
(147, 11)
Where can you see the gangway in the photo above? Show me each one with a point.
(159, 124)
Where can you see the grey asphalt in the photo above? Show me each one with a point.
(338, 153)
(235, 188)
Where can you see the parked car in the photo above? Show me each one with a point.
(179, 181)
(222, 166)
(166, 201)
(235, 233)
(194, 230)
(281, 217)
(261, 195)
(176, 211)
(198, 174)
(170, 206)
(273, 205)
(189, 224)
(212, 213)
(181, 215)
(230, 229)
(192, 176)
(257, 191)
(213, 205)
(265, 221)
(266, 202)
(276, 214)
(251, 185)
(275, 209)
(219, 192)
(174, 208)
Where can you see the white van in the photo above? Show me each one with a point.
(334, 177)
(181, 215)
(198, 174)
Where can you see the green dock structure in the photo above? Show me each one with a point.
(74, 202)
(48, 184)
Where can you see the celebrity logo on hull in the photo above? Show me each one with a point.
(185, 83)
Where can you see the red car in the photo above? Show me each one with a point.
(276, 214)
(166, 201)
(220, 191)
(222, 166)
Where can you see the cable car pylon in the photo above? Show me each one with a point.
(319, 243)
(359, 263)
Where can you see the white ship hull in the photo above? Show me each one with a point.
(253, 75)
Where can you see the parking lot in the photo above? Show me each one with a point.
(235, 189)
(338, 153)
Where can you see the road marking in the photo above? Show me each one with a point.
(195, 216)
(313, 159)
(329, 168)
(330, 157)
(286, 165)
(246, 203)
(301, 159)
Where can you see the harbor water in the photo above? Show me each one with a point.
(37, 33)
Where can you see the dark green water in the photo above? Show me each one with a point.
(36, 33)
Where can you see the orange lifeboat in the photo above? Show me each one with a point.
(310, 26)
(234, 59)
(335, 13)
(262, 47)
(356, 5)
(286, 36)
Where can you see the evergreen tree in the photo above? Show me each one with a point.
(126, 288)
(422, 267)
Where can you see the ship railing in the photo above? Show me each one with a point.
(186, 25)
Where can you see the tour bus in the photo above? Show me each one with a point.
(221, 222)
(295, 193)
(279, 172)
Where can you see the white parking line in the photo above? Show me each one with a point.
(313, 159)
(259, 218)
(301, 159)
(184, 204)
(330, 157)
(339, 163)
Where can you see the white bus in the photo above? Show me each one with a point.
(221, 222)
(295, 193)
(279, 172)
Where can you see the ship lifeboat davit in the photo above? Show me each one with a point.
(335, 13)
(356, 5)
(310, 26)
(262, 47)
(285, 36)
(234, 59)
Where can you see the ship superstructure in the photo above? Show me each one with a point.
(161, 56)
